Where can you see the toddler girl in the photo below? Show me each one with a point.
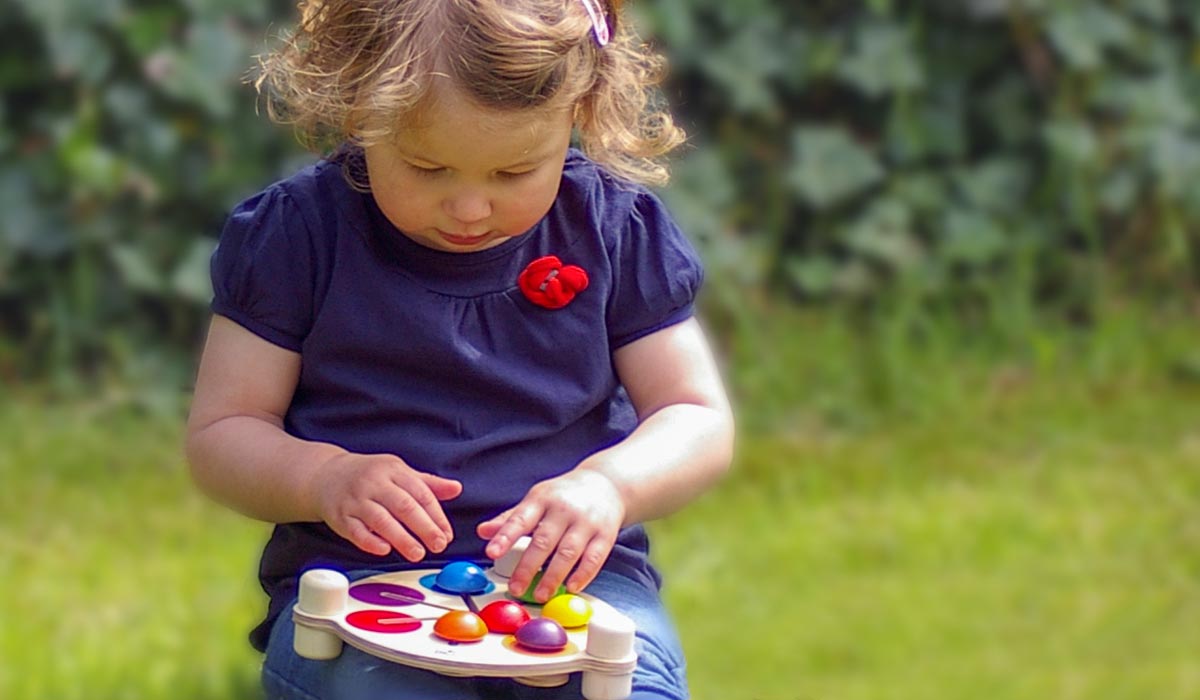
(457, 329)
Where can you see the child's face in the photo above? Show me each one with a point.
(469, 178)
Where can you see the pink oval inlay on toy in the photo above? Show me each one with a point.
(386, 621)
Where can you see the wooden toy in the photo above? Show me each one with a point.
(459, 621)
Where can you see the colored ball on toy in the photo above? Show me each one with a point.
(503, 616)
(527, 596)
(568, 610)
(460, 626)
(462, 577)
(542, 634)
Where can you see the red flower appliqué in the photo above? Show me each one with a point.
(547, 282)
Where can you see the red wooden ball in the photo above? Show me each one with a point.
(503, 616)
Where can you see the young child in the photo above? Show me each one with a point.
(457, 329)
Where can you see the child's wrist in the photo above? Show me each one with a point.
(312, 487)
(605, 471)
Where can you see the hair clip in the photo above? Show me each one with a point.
(599, 23)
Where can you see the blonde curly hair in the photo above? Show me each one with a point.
(356, 70)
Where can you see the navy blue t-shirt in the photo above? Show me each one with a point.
(439, 357)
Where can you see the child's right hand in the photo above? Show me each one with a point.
(379, 503)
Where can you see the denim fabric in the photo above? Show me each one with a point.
(355, 675)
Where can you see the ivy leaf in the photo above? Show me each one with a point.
(830, 167)
(823, 276)
(814, 275)
(883, 61)
(27, 227)
(147, 28)
(820, 53)
(745, 65)
(206, 71)
(672, 21)
(92, 166)
(921, 192)
(998, 9)
(135, 269)
(77, 51)
(1119, 191)
(1159, 101)
(1073, 141)
(1082, 32)
(998, 185)
(884, 232)
(988, 9)
(971, 237)
(934, 127)
(1175, 159)
(1158, 11)
(191, 279)
(1005, 108)
(56, 14)
(217, 9)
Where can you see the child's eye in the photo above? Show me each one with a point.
(426, 172)
(512, 175)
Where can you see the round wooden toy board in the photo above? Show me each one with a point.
(392, 616)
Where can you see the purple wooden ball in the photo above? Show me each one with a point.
(542, 634)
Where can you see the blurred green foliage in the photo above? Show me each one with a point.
(986, 158)
(126, 134)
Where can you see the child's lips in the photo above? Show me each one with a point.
(457, 239)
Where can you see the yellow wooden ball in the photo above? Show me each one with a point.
(568, 610)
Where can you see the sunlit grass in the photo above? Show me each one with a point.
(901, 523)
(1032, 532)
(118, 580)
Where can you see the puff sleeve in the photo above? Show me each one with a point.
(656, 274)
(263, 269)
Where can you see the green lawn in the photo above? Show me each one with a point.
(953, 525)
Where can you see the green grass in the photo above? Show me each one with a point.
(937, 520)
(116, 580)
(1005, 554)
(1023, 524)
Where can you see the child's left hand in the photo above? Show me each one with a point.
(572, 521)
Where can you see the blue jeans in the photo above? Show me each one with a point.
(355, 675)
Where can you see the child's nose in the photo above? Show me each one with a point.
(468, 207)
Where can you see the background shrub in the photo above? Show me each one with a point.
(985, 156)
(982, 159)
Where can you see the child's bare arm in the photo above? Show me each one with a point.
(683, 444)
(241, 456)
(684, 440)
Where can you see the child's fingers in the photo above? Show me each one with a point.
(590, 562)
(442, 488)
(520, 520)
(358, 534)
(571, 547)
(509, 526)
(421, 513)
(488, 529)
(543, 542)
(381, 520)
(425, 489)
